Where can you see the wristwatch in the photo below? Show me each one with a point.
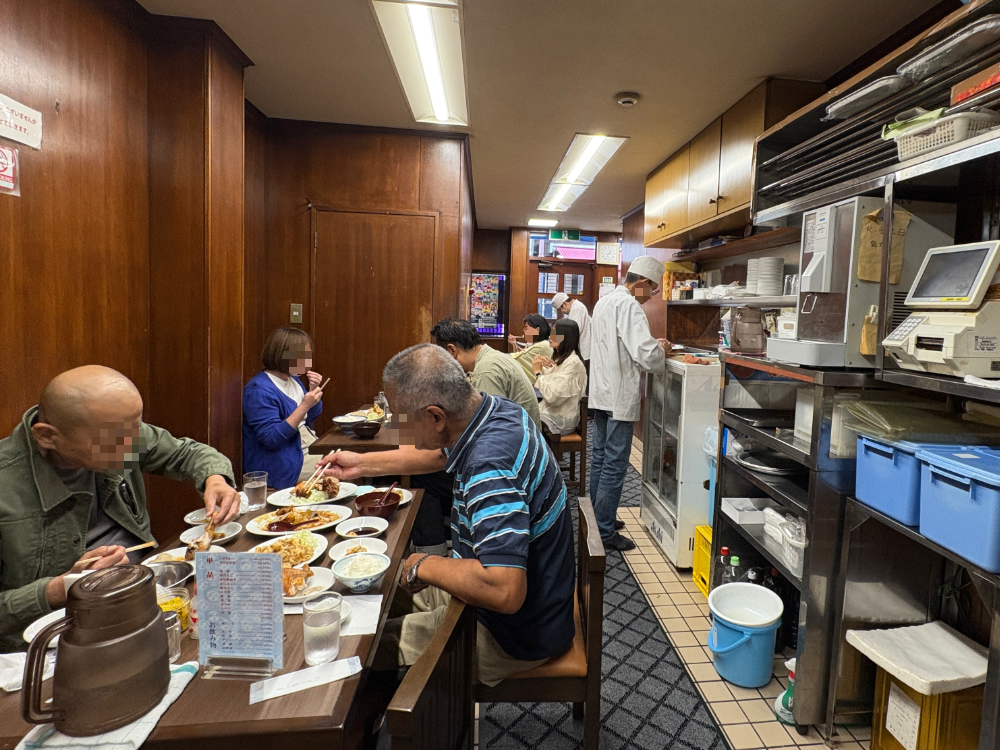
(411, 574)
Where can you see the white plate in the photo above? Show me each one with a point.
(179, 552)
(254, 525)
(338, 550)
(322, 579)
(319, 549)
(283, 498)
(195, 517)
(407, 495)
(229, 532)
(34, 628)
(358, 521)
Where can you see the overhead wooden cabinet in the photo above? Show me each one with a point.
(703, 184)
(714, 195)
(667, 192)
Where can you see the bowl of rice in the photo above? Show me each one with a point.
(362, 571)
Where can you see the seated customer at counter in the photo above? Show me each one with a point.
(491, 372)
(279, 409)
(561, 380)
(71, 489)
(511, 532)
(536, 337)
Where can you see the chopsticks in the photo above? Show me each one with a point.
(311, 482)
(325, 382)
(136, 548)
(386, 495)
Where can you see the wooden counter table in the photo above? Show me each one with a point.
(217, 715)
(386, 440)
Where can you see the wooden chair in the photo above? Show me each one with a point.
(432, 708)
(573, 444)
(574, 677)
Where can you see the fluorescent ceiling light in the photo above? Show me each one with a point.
(585, 157)
(547, 223)
(424, 40)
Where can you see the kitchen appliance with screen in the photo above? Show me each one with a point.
(953, 331)
(833, 300)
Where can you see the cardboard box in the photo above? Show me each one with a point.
(975, 84)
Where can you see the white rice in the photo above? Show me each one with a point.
(361, 566)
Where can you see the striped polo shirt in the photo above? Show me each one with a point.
(510, 510)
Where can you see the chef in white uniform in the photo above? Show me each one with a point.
(576, 311)
(621, 347)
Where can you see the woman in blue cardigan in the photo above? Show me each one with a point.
(279, 410)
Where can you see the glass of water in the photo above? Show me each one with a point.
(321, 627)
(255, 485)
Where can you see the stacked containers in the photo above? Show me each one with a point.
(960, 502)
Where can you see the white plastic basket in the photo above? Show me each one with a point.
(793, 546)
(944, 132)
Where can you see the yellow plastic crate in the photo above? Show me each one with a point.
(702, 568)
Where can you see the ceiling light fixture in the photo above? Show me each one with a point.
(586, 156)
(424, 40)
(545, 223)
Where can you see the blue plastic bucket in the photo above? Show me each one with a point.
(745, 621)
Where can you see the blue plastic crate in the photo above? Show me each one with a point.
(888, 478)
(960, 502)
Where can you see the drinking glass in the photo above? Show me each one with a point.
(255, 485)
(321, 627)
(173, 625)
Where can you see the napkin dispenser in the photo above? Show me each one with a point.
(112, 663)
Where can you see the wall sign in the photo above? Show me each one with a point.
(9, 182)
(607, 253)
(20, 123)
(564, 234)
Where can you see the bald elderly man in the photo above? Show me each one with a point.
(71, 488)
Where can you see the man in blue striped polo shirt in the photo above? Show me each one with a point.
(510, 525)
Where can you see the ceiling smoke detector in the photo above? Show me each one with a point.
(627, 99)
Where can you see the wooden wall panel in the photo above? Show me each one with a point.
(254, 236)
(441, 179)
(224, 251)
(518, 281)
(468, 229)
(491, 250)
(73, 246)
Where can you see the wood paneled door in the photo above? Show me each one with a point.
(373, 289)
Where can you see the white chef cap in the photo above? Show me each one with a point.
(558, 300)
(648, 267)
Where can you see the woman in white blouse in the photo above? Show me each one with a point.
(561, 380)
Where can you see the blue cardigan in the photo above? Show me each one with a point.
(269, 443)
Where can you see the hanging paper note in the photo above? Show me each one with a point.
(20, 123)
(240, 606)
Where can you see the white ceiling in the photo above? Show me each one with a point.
(541, 70)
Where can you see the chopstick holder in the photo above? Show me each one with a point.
(303, 679)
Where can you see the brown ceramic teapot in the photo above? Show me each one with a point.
(112, 664)
(748, 331)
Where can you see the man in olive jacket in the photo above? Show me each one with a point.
(86, 441)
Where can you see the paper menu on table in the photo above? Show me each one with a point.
(240, 608)
(902, 718)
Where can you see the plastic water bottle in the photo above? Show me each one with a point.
(753, 575)
(720, 565)
(732, 572)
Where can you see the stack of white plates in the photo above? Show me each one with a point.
(770, 277)
(753, 266)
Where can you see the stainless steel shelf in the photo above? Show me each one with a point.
(782, 301)
(780, 489)
(958, 153)
(797, 450)
(766, 546)
(837, 378)
(940, 384)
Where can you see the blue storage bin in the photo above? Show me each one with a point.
(960, 502)
(888, 477)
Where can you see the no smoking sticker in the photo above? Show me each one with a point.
(8, 171)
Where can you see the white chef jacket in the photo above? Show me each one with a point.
(621, 346)
(578, 313)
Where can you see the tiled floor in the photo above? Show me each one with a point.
(746, 716)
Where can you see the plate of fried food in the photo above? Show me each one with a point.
(299, 583)
(295, 549)
(324, 490)
(178, 555)
(372, 415)
(292, 518)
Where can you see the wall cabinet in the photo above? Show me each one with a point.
(705, 188)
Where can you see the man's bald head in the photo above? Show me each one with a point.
(89, 417)
(74, 398)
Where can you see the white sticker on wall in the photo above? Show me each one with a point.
(20, 123)
(902, 718)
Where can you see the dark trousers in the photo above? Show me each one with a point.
(429, 526)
